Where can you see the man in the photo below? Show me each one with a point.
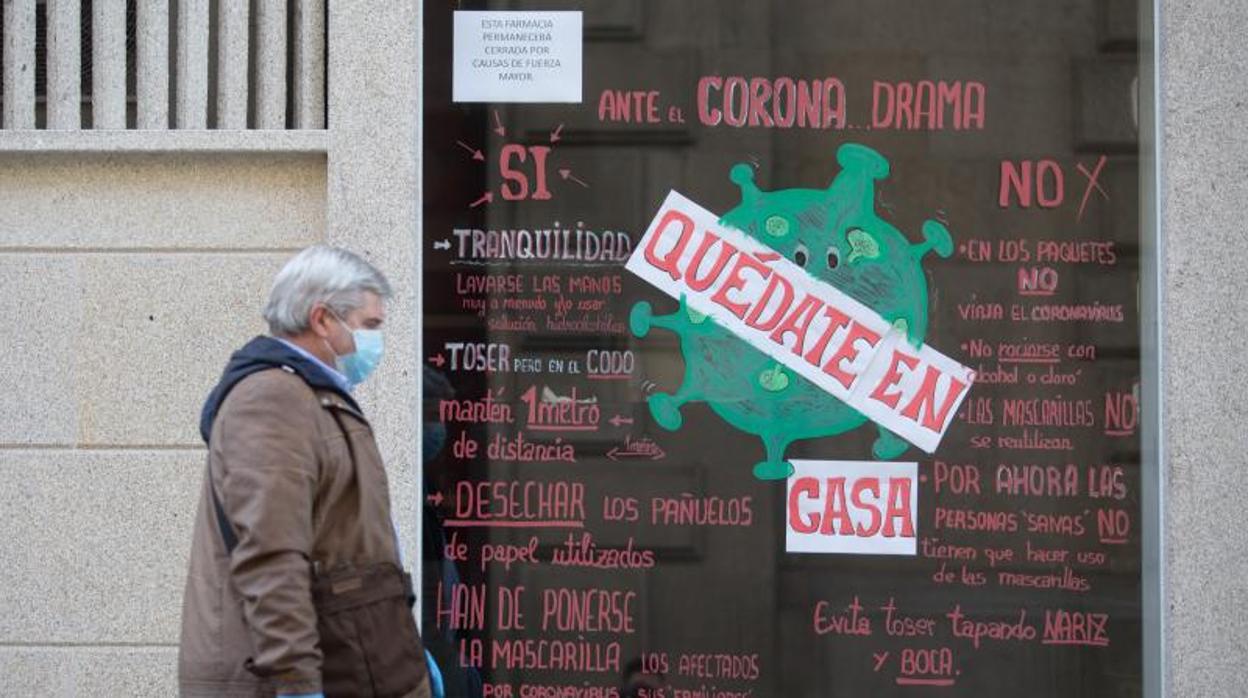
(295, 585)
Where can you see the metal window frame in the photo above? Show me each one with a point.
(1152, 334)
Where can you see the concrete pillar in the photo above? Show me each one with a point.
(1205, 320)
(309, 64)
(152, 69)
(64, 59)
(192, 64)
(108, 64)
(271, 65)
(374, 201)
(233, 37)
(19, 64)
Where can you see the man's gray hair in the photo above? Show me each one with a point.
(320, 274)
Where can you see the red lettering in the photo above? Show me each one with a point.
(926, 397)
(973, 114)
(735, 283)
(837, 320)
(891, 378)
(777, 281)
(898, 508)
(540, 192)
(725, 254)
(833, 111)
(925, 108)
(785, 85)
(797, 323)
(760, 95)
(510, 174)
(849, 352)
(905, 98)
(872, 485)
(883, 94)
(949, 94)
(835, 507)
(736, 101)
(669, 263)
(808, 487)
(708, 115)
(771, 103)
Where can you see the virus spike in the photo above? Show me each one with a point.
(742, 175)
(935, 237)
(860, 168)
(639, 319)
(861, 160)
(642, 319)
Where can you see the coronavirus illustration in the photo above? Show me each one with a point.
(836, 235)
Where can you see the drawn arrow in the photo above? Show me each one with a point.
(437, 360)
(498, 125)
(476, 154)
(434, 499)
(485, 199)
(441, 244)
(567, 174)
(616, 454)
(554, 135)
(619, 419)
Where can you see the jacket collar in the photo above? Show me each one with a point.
(263, 353)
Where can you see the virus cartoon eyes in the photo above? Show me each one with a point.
(836, 236)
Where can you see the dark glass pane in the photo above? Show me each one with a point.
(609, 514)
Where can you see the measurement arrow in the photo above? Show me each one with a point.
(498, 125)
(485, 199)
(476, 154)
(441, 244)
(437, 360)
(567, 174)
(554, 135)
(616, 454)
(618, 419)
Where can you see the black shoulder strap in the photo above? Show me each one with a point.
(223, 523)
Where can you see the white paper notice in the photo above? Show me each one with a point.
(517, 57)
(863, 507)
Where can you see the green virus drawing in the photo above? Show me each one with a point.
(836, 236)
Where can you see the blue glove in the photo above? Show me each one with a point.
(435, 677)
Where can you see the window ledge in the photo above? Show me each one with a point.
(172, 141)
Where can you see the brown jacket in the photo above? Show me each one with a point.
(301, 482)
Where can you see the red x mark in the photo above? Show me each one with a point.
(1092, 183)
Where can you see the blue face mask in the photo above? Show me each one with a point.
(359, 365)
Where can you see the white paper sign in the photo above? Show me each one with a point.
(814, 329)
(517, 57)
(863, 507)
